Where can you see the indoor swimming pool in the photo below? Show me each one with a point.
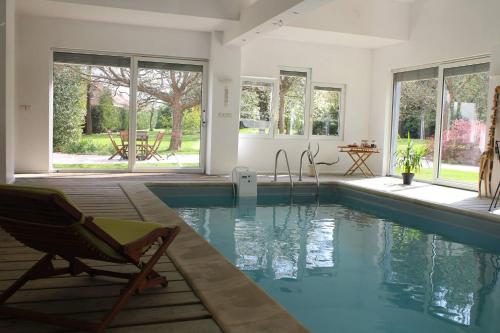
(349, 261)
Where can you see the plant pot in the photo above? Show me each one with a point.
(310, 170)
(407, 178)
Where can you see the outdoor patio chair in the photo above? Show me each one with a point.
(153, 150)
(46, 220)
(120, 150)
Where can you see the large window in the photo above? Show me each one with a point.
(89, 110)
(415, 104)
(463, 134)
(256, 106)
(292, 103)
(300, 109)
(327, 109)
(123, 112)
(452, 131)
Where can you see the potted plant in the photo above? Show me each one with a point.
(409, 160)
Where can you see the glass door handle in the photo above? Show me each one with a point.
(204, 118)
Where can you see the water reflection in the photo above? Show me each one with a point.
(332, 259)
(427, 273)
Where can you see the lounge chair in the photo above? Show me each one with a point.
(46, 220)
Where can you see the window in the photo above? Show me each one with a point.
(463, 124)
(297, 110)
(452, 131)
(107, 116)
(292, 103)
(415, 104)
(256, 106)
(327, 110)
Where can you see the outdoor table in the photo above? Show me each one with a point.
(359, 155)
(142, 143)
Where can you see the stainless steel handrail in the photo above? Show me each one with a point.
(311, 158)
(287, 165)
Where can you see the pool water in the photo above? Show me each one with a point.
(339, 264)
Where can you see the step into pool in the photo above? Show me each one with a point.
(351, 261)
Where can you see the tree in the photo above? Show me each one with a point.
(180, 90)
(109, 113)
(69, 107)
(326, 107)
(255, 102)
(291, 103)
(418, 104)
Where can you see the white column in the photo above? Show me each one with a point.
(7, 90)
(223, 106)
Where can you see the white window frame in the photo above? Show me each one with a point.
(439, 115)
(340, 135)
(307, 103)
(257, 79)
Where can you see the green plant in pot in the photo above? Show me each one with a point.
(409, 160)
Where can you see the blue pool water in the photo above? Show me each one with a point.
(352, 262)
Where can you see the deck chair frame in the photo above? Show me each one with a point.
(64, 240)
(120, 150)
(153, 149)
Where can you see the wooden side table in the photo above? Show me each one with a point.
(359, 155)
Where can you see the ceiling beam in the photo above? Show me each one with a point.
(265, 16)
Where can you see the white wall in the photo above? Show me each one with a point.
(222, 141)
(36, 37)
(7, 92)
(440, 30)
(329, 64)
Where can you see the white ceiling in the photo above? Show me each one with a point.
(330, 38)
(98, 12)
(217, 15)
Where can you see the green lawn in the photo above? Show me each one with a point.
(123, 166)
(401, 143)
(100, 144)
(253, 131)
(447, 174)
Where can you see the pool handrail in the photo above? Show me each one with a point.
(287, 165)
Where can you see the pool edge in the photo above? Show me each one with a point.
(234, 300)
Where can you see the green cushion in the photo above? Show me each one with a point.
(124, 231)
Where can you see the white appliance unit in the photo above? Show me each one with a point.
(244, 182)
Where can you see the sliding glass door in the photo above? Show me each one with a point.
(415, 110)
(90, 113)
(170, 113)
(443, 110)
(98, 98)
(463, 122)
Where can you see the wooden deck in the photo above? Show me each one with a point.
(175, 309)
